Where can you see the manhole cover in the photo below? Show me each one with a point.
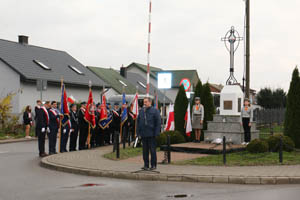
(87, 185)
(179, 196)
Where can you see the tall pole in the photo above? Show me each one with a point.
(148, 51)
(247, 48)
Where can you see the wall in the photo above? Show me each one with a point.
(10, 83)
(29, 94)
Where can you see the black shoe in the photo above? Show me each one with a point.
(43, 155)
(153, 168)
(145, 168)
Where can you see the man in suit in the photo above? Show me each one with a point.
(53, 126)
(83, 127)
(74, 127)
(42, 121)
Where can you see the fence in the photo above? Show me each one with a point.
(269, 116)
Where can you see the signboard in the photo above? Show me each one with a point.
(164, 80)
(227, 105)
(186, 84)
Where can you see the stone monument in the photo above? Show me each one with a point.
(231, 102)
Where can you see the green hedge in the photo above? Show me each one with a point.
(257, 146)
(176, 138)
(287, 143)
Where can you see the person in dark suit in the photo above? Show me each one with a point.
(148, 127)
(74, 127)
(42, 121)
(53, 126)
(83, 127)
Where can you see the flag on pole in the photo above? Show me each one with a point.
(188, 123)
(105, 117)
(64, 109)
(90, 111)
(71, 99)
(135, 106)
(170, 119)
(124, 110)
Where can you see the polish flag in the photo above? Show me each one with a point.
(135, 106)
(71, 99)
(188, 125)
(171, 119)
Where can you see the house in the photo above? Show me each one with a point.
(22, 65)
(128, 81)
(177, 76)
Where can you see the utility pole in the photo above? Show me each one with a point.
(247, 48)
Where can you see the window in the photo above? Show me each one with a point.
(76, 70)
(124, 84)
(42, 65)
(141, 84)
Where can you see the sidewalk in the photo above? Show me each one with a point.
(92, 162)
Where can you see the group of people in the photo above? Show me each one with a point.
(73, 127)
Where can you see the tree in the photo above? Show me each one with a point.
(292, 115)
(268, 98)
(207, 101)
(181, 103)
(198, 91)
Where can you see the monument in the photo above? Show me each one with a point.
(231, 102)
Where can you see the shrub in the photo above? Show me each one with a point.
(257, 146)
(176, 138)
(180, 107)
(273, 141)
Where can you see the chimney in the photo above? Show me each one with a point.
(23, 39)
(123, 71)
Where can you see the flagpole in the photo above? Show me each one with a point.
(89, 130)
(60, 121)
(137, 87)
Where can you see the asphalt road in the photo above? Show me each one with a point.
(22, 178)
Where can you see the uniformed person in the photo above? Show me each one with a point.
(83, 127)
(53, 126)
(42, 121)
(74, 127)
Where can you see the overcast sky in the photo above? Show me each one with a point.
(186, 34)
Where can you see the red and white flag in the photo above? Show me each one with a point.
(71, 99)
(171, 119)
(135, 106)
(188, 125)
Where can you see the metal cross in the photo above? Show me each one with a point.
(231, 38)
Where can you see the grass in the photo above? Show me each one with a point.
(19, 134)
(245, 159)
(265, 131)
(129, 152)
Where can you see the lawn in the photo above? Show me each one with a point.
(125, 153)
(245, 159)
(20, 134)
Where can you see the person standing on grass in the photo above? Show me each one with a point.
(246, 119)
(148, 127)
(27, 120)
(197, 118)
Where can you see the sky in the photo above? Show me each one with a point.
(186, 34)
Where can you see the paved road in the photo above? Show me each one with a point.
(22, 178)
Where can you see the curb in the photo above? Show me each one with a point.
(254, 180)
(7, 141)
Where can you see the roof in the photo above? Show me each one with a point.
(113, 78)
(153, 70)
(178, 75)
(20, 57)
(136, 79)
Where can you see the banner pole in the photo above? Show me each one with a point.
(89, 137)
(60, 119)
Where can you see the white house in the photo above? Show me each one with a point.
(22, 65)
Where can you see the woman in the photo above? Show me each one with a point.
(246, 120)
(197, 118)
(27, 119)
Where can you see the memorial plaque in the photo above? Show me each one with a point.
(227, 105)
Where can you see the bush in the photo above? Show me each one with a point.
(176, 138)
(273, 141)
(258, 146)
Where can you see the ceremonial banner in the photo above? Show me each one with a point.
(105, 116)
(135, 106)
(90, 111)
(124, 111)
(64, 109)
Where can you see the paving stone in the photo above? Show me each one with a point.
(236, 180)
(220, 179)
(175, 178)
(187, 178)
(205, 179)
(295, 180)
(252, 180)
(147, 177)
(282, 180)
(268, 180)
